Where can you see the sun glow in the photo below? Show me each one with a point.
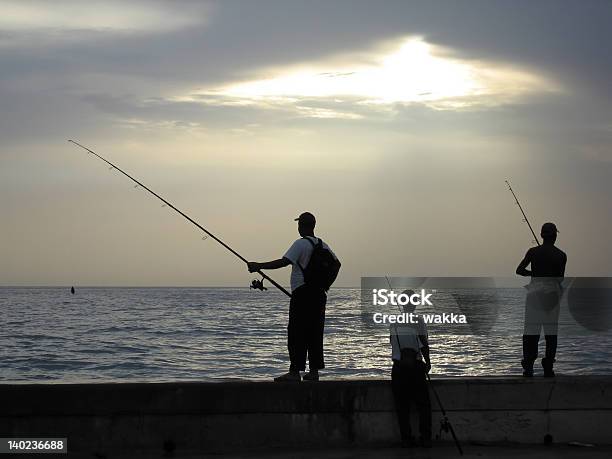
(415, 72)
(411, 73)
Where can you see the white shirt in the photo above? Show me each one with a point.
(300, 252)
(408, 337)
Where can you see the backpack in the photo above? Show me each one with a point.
(322, 268)
(408, 356)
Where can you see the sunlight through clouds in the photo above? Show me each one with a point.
(415, 72)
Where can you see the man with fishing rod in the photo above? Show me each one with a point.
(543, 294)
(543, 298)
(314, 267)
(411, 364)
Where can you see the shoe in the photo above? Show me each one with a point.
(289, 377)
(311, 376)
(425, 442)
(527, 368)
(547, 364)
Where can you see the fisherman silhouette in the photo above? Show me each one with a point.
(72, 290)
(543, 298)
(308, 299)
(411, 363)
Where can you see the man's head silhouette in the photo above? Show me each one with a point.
(549, 232)
(306, 224)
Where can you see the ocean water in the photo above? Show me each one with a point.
(214, 334)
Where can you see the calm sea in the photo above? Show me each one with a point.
(212, 334)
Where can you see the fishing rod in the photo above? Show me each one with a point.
(525, 219)
(256, 284)
(445, 424)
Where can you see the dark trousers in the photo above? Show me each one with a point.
(541, 315)
(411, 386)
(305, 330)
(530, 348)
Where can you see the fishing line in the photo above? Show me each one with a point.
(255, 284)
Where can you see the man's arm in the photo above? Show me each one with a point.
(274, 264)
(521, 269)
(564, 263)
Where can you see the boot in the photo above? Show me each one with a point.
(547, 364)
(527, 368)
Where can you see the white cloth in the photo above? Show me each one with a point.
(408, 337)
(300, 252)
(545, 285)
(542, 306)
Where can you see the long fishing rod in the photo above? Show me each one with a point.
(256, 284)
(525, 219)
(445, 424)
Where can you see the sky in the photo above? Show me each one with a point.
(395, 123)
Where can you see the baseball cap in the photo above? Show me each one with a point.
(306, 218)
(549, 229)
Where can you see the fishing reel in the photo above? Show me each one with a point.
(445, 427)
(257, 284)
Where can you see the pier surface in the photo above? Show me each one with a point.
(494, 416)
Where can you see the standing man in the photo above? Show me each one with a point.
(543, 298)
(314, 267)
(411, 363)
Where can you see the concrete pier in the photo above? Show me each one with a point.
(194, 418)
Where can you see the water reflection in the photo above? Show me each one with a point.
(169, 334)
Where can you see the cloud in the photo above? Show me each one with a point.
(409, 71)
(108, 15)
(26, 24)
